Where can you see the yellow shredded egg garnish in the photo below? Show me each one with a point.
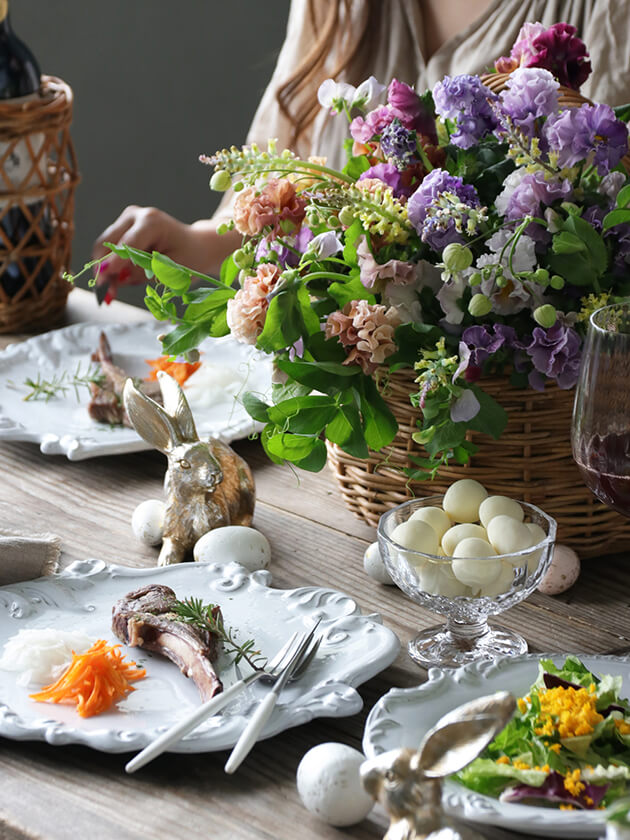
(569, 712)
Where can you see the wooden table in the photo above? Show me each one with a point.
(57, 793)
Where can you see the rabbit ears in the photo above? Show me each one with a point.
(459, 737)
(162, 427)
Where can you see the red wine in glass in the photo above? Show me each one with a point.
(601, 414)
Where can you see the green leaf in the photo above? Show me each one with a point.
(303, 415)
(304, 450)
(346, 431)
(379, 423)
(140, 258)
(594, 242)
(288, 390)
(184, 337)
(567, 243)
(622, 112)
(215, 300)
(267, 434)
(255, 407)
(282, 323)
(352, 289)
(447, 436)
(623, 197)
(328, 377)
(356, 166)
(309, 318)
(169, 273)
(229, 271)
(350, 237)
(491, 418)
(325, 349)
(155, 304)
(616, 217)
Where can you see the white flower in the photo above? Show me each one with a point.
(367, 92)
(510, 184)
(334, 95)
(524, 257)
(324, 245)
(611, 184)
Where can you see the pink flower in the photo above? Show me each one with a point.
(397, 271)
(367, 329)
(247, 310)
(523, 49)
(276, 205)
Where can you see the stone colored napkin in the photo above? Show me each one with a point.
(27, 556)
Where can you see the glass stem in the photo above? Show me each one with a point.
(466, 633)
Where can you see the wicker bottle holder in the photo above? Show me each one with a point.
(38, 132)
(531, 461)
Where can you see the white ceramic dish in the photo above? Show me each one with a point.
(62, 426)
(403, 716)
(354, 649)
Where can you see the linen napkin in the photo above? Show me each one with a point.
(27, 556)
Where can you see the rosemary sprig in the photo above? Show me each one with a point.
(46, 389)
(194, 611)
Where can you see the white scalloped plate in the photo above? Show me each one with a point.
(62, 425)
(355, 648)
(403, 716)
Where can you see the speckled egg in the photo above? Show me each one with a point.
(329, 784)
(234, 543)
(374, 566)
(562, 573)
(147, 521)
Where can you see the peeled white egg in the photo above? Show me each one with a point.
(329, 784)
(497, 505)
(462, 500)
(461, 532)
(416, 535)
(508, 535)
(437, 518)
(501, 584)
(446, 583)
(237, 543)
(374, 566)
(562, 573)
(474, 564)
(538, 535)
(147, 521)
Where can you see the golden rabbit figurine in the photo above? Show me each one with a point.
(207, 484)
(408, 782)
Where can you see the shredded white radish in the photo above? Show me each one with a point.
(40, 656)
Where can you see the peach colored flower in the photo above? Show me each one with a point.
(302, 180)
(274, 203)
(247, 310)
(367, 329)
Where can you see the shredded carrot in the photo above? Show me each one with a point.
(180, 371)
(94, 680)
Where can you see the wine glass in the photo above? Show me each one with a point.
(601, 413)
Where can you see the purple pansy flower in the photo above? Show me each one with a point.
(465, 100)
(531, 93)
(438, 233)
(556, 353)
(578, 133)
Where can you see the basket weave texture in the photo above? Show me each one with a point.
(38, 132)
(531, 461)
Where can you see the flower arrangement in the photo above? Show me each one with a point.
(469, 233)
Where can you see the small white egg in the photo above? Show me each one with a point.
(329, 784)
(462, 500)
(502, 584)
(416, 535)
(147, 521)
(497, 505)
(475, 563)
(562, 573)
(374, 566)
(237, 543)
(437, 518)
(508, 535)
(538, 535)
(461, 532)
(448, 585)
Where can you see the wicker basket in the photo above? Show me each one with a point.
(33, 292)
(531, 461)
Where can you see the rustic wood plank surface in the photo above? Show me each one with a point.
(56, 793)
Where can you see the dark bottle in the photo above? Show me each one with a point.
(20, 80)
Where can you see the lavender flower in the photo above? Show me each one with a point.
(365, 129)
(411, 110)
(478, 343)
(436, 227)
(531, 93)
(526, 192)
(556, 353)
(389, 175)
(590, 130)
(398, 144)
(465, 100)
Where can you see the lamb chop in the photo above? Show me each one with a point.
(106, 405)
(145, 618)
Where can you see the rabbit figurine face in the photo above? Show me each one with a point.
(207, 484)
(408, 783)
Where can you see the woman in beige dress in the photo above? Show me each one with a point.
(416, 41)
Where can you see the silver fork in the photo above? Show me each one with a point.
(271, 672)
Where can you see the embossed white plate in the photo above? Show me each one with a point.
(355, 647)
(62, 426)
(403, 716)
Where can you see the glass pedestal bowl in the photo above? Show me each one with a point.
(429, 581)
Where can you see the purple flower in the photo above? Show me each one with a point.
(523, 50)
(556, 353)
(438, 232)
(530, 94)
(533, 191)
(398, 144)
(363, 130)
(484, 341)
(559, 50)
(389, 175)
(411, 110)
(466, 100)
(588, 130)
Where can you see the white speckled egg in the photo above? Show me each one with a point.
(508, 535)
(461, 532)
(237, 543)
(437, 518)
(416, 535)
(497, 505)
(147, 521)
(329, 784)
(374, 566)
(562, 573)
(474, 564)
(462, 500)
